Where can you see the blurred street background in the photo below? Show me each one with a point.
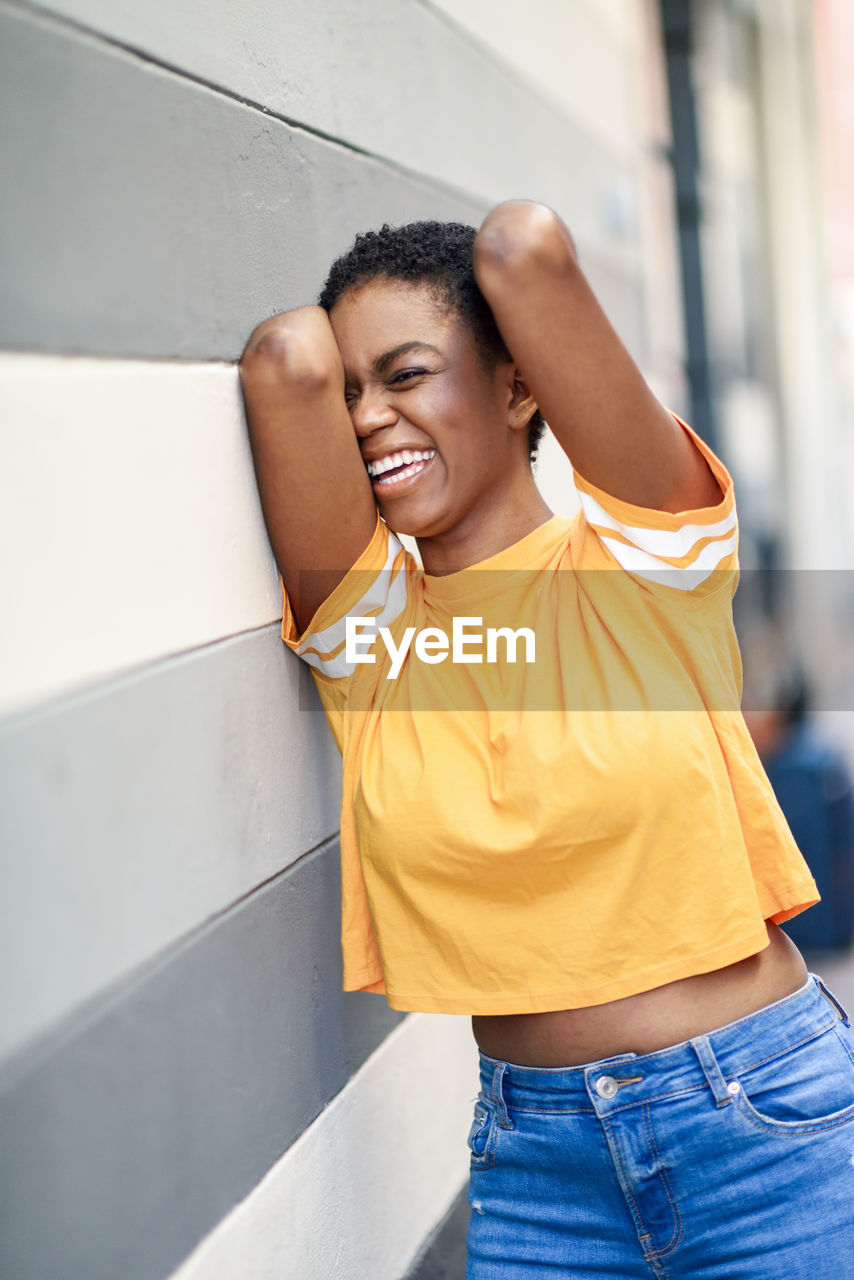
(184, 1090)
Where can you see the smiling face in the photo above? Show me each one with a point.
(442, 434)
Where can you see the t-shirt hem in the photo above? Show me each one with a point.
(365, 980)
(777, 908)
(782, 906)
(550, 1001)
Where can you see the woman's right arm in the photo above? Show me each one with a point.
(315, 492)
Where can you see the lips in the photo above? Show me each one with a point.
(401, 465)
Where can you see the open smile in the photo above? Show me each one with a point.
(395, 468)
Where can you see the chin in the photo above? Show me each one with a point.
(404, 528)
(415, 524)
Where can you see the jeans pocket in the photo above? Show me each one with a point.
(805, 1090)
(846, 1036)
(482, 1135)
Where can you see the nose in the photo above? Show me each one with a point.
(372, 411)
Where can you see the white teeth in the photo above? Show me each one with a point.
(403, 458)
(411, 470)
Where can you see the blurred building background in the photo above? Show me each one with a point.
(184, 1091)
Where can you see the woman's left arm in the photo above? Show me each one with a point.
(588, 387)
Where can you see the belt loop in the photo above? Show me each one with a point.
(703, 1049)
(498, 1074)
(832, 998)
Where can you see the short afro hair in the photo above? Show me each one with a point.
(437, 254)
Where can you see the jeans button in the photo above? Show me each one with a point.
(606, 1087)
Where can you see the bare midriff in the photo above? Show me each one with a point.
(650, 1020)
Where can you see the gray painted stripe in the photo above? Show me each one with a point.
(400, 79)
(443, 1256)
(126, 1146)
(148, 216)
(139, 810)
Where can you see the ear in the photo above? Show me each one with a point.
(522, 405)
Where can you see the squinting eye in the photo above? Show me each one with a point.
(405, 374)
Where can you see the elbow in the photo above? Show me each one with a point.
(290, 349)
(272, 346)
(518, 235)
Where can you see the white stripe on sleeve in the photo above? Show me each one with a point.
(644, 565)
(674, 543)
(386, 594)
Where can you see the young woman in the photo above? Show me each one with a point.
(579, 848)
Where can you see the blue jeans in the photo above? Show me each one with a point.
(727, 1157)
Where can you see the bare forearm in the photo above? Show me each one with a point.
(587, 385)
(315, 493)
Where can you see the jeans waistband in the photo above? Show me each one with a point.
(702, 1061)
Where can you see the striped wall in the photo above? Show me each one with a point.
(184, 1089)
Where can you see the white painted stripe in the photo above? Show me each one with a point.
(667, 575)
(672, 543)
(133, 817)
(129, 519)
(555, 477)
(358, 1193)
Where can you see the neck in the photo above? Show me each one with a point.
(484, 533)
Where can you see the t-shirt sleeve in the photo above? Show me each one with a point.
(374, 588)
(694, 551)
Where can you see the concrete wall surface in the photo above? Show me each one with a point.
(184, 1089)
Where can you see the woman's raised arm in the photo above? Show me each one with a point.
(588, 387)
(315, 493)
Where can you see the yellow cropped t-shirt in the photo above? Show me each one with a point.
(584, 823)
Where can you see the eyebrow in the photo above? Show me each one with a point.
(381, 364)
